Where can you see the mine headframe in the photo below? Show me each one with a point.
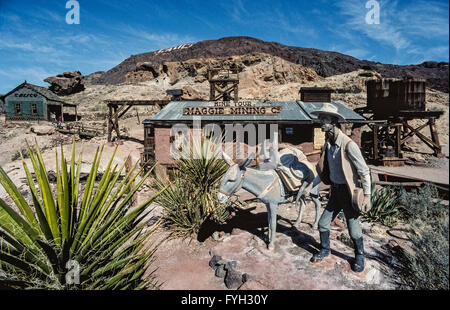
(224, 84)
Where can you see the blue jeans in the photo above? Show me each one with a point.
(340, 199)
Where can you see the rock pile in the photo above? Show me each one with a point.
(226, 270)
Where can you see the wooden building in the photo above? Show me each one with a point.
(30, 102)
(295, 123)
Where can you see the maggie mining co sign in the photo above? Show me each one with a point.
(232, 108)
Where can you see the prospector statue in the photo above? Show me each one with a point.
(342, 166)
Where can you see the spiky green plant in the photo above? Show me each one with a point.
(385, 207)
(190, 199)
(93, 232)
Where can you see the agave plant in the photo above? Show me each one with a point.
(191, 198)
(385, 207)
(71, 241)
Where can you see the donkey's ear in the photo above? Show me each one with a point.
(247, 161)
(227, 159)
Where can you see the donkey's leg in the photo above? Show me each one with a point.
(302, 202)
(272, 225)
(269, 217)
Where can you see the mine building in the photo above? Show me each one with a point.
(295, 123)
(29, 102)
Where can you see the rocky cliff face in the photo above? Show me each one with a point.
(325, 64)
(253, 68)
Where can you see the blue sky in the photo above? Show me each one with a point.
(36, 42)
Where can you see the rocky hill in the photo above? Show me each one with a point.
(324, 63)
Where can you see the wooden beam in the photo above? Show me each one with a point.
(116, 112)
(136, 102)
(415, 184)
(411, 133)
(427, 141)
(125, 111)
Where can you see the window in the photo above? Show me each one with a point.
(17, 109)
(34, 110)
(289, 131)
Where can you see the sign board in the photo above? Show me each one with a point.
(232, 108)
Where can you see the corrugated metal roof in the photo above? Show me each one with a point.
(48, 94)
(348, 114)
(295, 111)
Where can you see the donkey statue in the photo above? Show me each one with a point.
(267, 186)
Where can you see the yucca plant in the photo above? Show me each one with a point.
(75, 239)
(385, 207)
(190, 199)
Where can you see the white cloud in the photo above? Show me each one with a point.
(387, 32)
(410, 29)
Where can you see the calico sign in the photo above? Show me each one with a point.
(233, 110)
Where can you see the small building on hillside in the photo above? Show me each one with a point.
(29, 102)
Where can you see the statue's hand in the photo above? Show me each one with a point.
(367, 204)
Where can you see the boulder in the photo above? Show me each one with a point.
(190, 93)
(234, 279)
(43, 130)
(67, 83)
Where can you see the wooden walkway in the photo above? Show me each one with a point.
(437, 176)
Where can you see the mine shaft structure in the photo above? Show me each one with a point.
(224, 84)
(396, 107)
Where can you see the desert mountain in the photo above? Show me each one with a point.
(189, 59)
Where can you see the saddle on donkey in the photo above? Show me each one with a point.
(294, 168)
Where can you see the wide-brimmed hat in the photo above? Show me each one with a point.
(328, 109)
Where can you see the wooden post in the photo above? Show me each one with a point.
(109, 123)
(375, 141)
(398, 145)
(435, 137)
(236, 92)
(137, 114)
(212, 86)
(116, 122)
